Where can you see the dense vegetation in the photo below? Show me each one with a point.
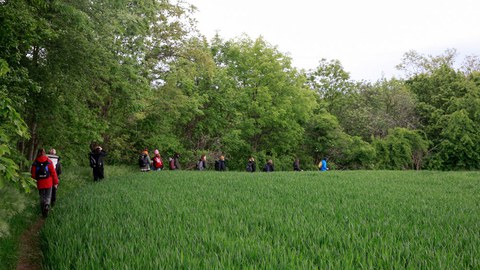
(283, 220)
(133, 74)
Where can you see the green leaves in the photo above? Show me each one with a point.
(12, 128)
(401, 149)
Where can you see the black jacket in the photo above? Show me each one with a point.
(251, 166)
(268, 168)
(96, 158)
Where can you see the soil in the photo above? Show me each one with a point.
(30, 254)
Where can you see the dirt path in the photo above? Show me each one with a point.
(30, 255)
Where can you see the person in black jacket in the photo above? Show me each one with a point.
(296, 165)
(96, 163)
(251, 166)
(220, 164)
(269, 166)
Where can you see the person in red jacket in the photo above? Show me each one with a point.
(44, 173)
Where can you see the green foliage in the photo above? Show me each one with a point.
(331, 82)
(129, 75)
(401, 149)
(449, 110)
(268, 220)
(12, 128)
(326, 138)
(375, 108)
(460, 141)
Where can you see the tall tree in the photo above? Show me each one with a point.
(273, 103)
(448, 109)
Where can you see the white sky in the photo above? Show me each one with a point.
(369, 37)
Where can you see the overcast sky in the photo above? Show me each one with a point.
(369, 37)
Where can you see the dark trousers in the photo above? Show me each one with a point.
(45, 199)
(98, 173)
(54, 196)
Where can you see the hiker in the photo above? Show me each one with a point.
(144, 161)
(44, 173)
(176, 161)
(157, 163)
(171, 163)
(322, 166)
(220, 164)
(296, 165)
(251, 166)
(202, 163)
(58, 169)
(96, 163)
(269, 166)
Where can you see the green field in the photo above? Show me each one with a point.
(281, 220)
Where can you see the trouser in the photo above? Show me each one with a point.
(98, 173)
(45, 199)
(54, 196)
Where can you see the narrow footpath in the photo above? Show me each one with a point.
(30, 254)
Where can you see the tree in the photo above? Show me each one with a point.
(82, 71)
(272, 103)
(12, 129)
(414, 63)
(401, 149)
(326, 138)
(375, 108)
(448, 108)
(332, 83)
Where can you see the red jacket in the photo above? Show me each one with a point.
(52, 178)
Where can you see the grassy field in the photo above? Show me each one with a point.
(281, 220)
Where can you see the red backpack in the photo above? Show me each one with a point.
(157, 162)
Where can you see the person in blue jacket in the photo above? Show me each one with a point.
(322, 166)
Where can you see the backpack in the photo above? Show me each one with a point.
(41, 170)
(172, 164)
(143, 160)
(217, 165)
(157, 162)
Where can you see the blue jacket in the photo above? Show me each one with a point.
(323, 166)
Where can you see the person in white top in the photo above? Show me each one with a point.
(58, 168)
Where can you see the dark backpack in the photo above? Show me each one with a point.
(143, 160)
(217, 165)
(41, 170)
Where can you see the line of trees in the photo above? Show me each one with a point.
(133, 74)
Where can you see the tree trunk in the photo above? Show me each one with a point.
(33, 144)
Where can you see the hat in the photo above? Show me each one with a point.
(156, 152)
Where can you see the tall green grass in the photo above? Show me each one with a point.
(281, 220)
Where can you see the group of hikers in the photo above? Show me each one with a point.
(155, 163)
(47, 167)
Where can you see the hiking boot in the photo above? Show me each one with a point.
(45, 210)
